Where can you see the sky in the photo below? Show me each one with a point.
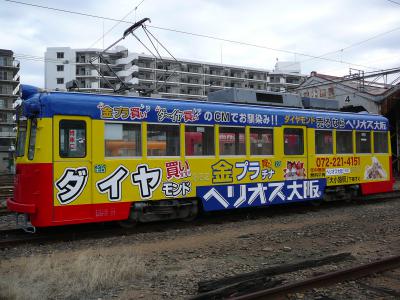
(365, 33)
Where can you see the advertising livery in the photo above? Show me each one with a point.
(92, 158)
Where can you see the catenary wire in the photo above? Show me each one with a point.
(115, 25)
(194, 34)
(394, 2)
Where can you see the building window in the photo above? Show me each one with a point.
(344, 142)
(232, 141)
(293, 141)
(60, 54)
(363, 142)
(60, 80)
(72, 138)
(380, 142)
(199, 140)
(163, 140)
(60, 68)
(331, 92)
(261, 141)
(323, 142)
(122, 139)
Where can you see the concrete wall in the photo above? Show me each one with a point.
(51, 73)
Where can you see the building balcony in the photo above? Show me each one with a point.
(14, 64)
(7, 122)
(181, 95)
(8, 135)
(128, 72)
(87, 75)
(126, 60)
(6, 108)
(6, 92)
(133, 80)
(5, 149)
(14, 81)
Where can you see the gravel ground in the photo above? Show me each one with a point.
(176, 256)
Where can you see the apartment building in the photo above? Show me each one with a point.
(9, 87)
(168, 78)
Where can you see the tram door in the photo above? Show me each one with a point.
(72, 156)
(295, 152)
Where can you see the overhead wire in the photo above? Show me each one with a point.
(352, 46)
(37, 58)
(196, 34)
(116, 24)
(394, 2)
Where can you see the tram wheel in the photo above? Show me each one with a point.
(316, 203)
(127, 223)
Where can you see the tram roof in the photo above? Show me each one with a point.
(127, 108)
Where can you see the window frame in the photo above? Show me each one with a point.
(213, 140)
(178, 125)
(59, 138)
(273, 140)
(141, 140)
(387, 142)
(333, 141)
(245, 141)
(352, 134)
(304, 130)
(30, 146)
(370, 141)
(20, 151)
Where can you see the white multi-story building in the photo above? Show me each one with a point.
(167, 78)
(9, 91)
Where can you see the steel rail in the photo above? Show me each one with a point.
(331, 278)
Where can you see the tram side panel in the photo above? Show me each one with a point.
(351, 158)
(33, 192)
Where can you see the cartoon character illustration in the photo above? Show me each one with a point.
(375, 170)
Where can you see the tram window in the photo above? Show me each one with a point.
(21, 138)
(32, 139)
(232, 141)
(363, 142)
(199, 140)
(380, 142)
(293, 141)
(163, 140)
(122, 139)
(72, 138)
(323, 142)
(344, 142)
(261, 141)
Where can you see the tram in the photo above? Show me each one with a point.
(84, 158)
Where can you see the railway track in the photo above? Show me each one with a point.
(268, 283)
(14, 237)
(328, 279)
(385, 196)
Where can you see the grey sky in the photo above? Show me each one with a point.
(311, 27)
